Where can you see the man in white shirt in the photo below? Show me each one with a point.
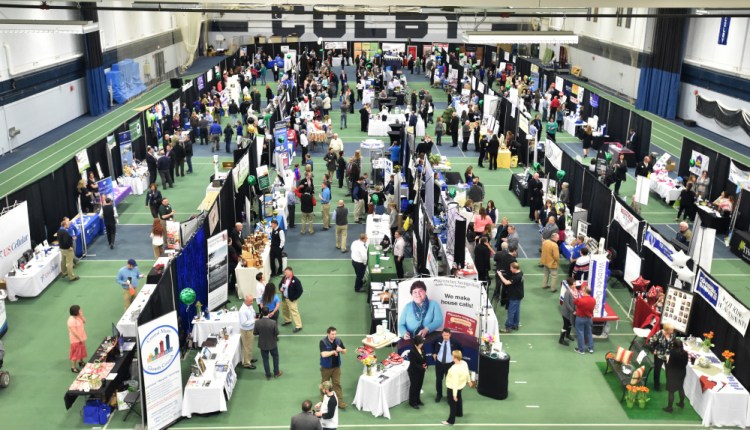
(399, 251)
(247, 325)
(336, 144)
(260, 288)
(359, 260)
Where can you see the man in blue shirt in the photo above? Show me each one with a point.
(128, 277)
(325, 202)
(331, 349)
(395, 153)
(442, 354)
(215, 135)
(575, 253)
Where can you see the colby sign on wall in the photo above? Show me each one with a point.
(727, 306)
(15, 237)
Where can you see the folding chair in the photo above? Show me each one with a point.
(132, 399)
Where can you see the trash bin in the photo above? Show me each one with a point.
(493, 376)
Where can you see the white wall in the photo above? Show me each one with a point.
(687, 111)
(702, 47)
(637, 37)
(174, 56)
(612, 74)
(35, 51)
(42, 112)
(119, 28)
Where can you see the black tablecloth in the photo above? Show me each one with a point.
(520, 188)
(154, 276)
(121, 368)
(493, 376)
(740, 244)
(628, 153)
(711, 220)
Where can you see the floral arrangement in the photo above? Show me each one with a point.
(631, 393)
(488, 340)
(369, 360)
(642, 394)
(707, 338)
(366, 356)
(728, 360)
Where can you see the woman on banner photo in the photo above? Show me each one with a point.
(420, 316)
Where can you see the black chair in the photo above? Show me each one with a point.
(132, 399)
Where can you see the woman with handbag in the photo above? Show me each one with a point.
(77, 335)
(676, 372)
(660, 344)
(416, 371)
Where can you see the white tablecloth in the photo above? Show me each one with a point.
(666, 189)
(377, 227)
(378, 398)
(128, 324)
(139, 183)
(204, 328)
(570, 124)
(198, 399)
(378, 127)
(727, 406)
(32, 281)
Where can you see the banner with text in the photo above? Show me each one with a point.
(554, 154)
(218, 273)
(135, 129)
(627, 220)
(162, 378)
(15, 236)
(724, 303)
(656, 243)
(106, 189)
(82, 159)
(738, 176)
(699, 163)
(598, 276)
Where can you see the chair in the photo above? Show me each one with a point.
(132, 399)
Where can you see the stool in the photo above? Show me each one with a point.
(132, 399)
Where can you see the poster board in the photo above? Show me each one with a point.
(15, 236)
(106, 189)
(701, 162)
(633, 263)
(173, 235)
(626, 219)
(82, 159)
(126, 148)
(159, 349)
(677, 305)
(598, 276)
(189, 227)
(218, 270)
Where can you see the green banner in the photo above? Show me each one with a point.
(135, 129)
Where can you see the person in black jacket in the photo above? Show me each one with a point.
(341, 168)
(503, 260)
(307, 206)
(153, 199)
(278, 240)
(67, 250)
(482, 148)
(416, 371)
(189, 155)
(179, 156)
(620, 172)
(151, 163)
(482, 260)
(109, 215)
(676, 372)
(291, 290)
(162, 163)
(687, 204)
(169, 152)
(493, 146)
(364, 118)
(453, 127)
(644, 167)
(514, 283)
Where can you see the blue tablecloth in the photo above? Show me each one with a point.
(280, 219)
(93, 226)
(566, 250)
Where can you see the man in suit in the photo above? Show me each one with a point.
(268, 332)
(454, 129)
(482, 146)
(236, 235)
(305, 420)
(442, 354)
(466, 131)
(531, 186)
(278, 240)
(151, 163)
(644, 167)
(109, 215)
(162, 164)
(291, 290)
(632, 141)
(482, 259)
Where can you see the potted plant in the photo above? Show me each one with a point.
(707, 338)
(630, 395)
(642, 396)
(728, 361)
(369, 363)
(487, 341)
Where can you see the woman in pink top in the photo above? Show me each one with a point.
(481, 221)
(77, 334)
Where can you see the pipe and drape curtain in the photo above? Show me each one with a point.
(96, 83)
(659, 85)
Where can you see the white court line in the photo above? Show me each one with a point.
(490, 425)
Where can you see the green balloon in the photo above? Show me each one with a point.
(481, 102)
(692, 162)
(281, 139)
(288, 55)
(560, 175)
(537, 166)
(452, 192)
(187, 296)
(251, 180)
(380, 51)
(375, 199)
(608, 156)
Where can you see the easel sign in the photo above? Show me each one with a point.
(582, 229)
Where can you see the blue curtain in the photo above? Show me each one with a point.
(192, 272)
(659, 84)
(96, 84)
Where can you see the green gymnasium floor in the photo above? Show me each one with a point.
(550, 385)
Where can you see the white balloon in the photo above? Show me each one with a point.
(685, 275)
(680, 259)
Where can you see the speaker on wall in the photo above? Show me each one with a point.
(176, 82)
